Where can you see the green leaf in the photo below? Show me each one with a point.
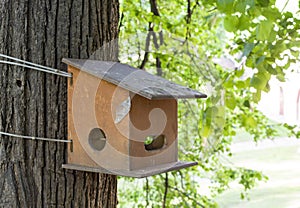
(244, 22)
(271, 70)
(249, 122)
(228, 83)
(230, 101)
(246, 103)
(248, 48)
(272, 36)
(231, 23)
(240, 84)
(267, 88)
(271, 14)
(295, 53)
(260, 60)
(281, 77)
(263, 3)
(215, 99)
(263, 30)
(278, 48)
(219, 118)
(205, 131)
(250, 62)
(239, 72)
(257, 96)
(255, 11)
(242, 5)
(294, 44)
(260, 80)
(225, 6)
(258, 83)
(210, 112)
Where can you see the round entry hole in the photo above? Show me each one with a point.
(97, 139)
(155, 142)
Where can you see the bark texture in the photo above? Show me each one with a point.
(34, 103)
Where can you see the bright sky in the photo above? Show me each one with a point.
(292, 5)
(271, 102)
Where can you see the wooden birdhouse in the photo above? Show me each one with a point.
(122, 120)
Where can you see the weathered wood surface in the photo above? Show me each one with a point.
(35, 103)
(90, 106)
(143, 124)
(141, 173)
(93, 104)
(134, 80)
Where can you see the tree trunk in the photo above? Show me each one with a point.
(35, 103)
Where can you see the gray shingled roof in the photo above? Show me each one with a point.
(135, 80)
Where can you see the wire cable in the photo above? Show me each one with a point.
(34, 138)
(34, 66)
(37, 67)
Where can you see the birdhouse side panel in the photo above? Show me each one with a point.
(153, 132)
(76, 153)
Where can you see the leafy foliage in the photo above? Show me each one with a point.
(181, 40)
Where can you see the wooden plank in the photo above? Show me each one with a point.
(90, 105)
(141, 173)
(134, 80)
(143, 125)
(76, 154)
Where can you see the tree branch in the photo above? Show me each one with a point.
(158, 67)
(166, 190)
(155, 11)
(157, 44)
(146, 55)
(187, 196)
(147, 192)
(154, 7)
(121, 22)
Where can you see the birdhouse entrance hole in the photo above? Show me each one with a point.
(155, 142)
(97, 139)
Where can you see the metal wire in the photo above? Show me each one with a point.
(34, 138)
(38, 67)
(34, 66)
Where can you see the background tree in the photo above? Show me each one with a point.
(252, 41)
(34, 103)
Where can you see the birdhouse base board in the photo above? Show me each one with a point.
(140, 173)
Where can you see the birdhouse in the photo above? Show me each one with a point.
(122, 120)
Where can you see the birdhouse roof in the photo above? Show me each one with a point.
(135, 80)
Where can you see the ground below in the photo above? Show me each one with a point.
(279, 159)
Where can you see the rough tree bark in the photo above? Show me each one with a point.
(34, 103)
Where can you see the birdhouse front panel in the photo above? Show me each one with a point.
(97, 141)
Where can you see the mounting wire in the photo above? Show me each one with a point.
(35, 138)
(38, 67)
(34, 66)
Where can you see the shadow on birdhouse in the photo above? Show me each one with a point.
(122, 120)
